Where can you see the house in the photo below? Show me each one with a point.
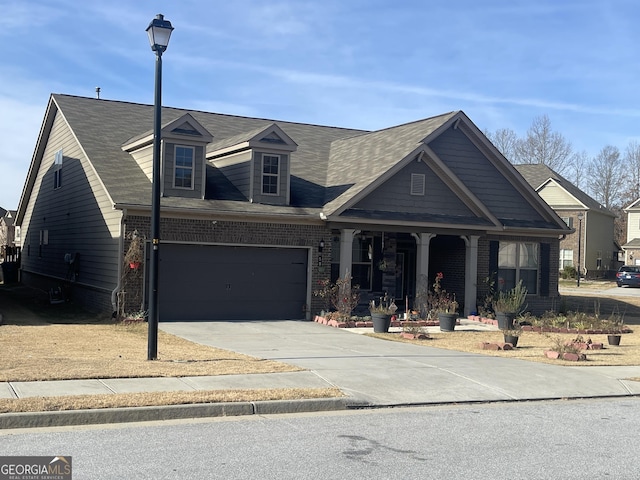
(9, 238)
(593, 223)
(631, 249)
(255, 213)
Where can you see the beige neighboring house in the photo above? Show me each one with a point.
(631, 249)
(598, 248)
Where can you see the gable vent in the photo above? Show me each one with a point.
(272, 138)
(417, 183)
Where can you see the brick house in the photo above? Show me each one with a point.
(255, 212)
(598, 248)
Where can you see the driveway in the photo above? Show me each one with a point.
(384, 373)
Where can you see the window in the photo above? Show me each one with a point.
(518, 261)
(417, 183)
(566, 259)
(57, 170)
(361, 261)
(270, 174)
(183, 174)
(568, 221)
(599, 259)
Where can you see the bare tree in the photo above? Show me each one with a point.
(543, 145)
(632, 172)
(605, 177)
(506, 140)
(580, 164)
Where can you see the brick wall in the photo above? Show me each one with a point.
(233, 233)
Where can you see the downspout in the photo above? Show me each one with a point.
(114, 293)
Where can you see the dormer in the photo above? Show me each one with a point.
(182, 157)
(258, 163)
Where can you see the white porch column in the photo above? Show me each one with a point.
(346, 250)
(470, 273)
(422, 254)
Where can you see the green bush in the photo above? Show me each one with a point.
(569, 272)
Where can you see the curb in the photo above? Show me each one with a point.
(169, 412)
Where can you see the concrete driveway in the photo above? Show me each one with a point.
(384, 373)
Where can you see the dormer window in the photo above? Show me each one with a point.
(183, 173)
(270, 174)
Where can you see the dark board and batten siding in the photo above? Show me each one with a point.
(395, 195)
(482, 177)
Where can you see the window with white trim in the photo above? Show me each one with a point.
(568, 221)
(270, 174)
(566, 258)
(57, 169)
(183, 171)
(518, 261)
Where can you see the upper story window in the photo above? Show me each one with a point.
(183, 174)
(57, 170)
(270, 174)
(568, 221)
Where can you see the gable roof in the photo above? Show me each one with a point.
(539, 176)
(331, 168)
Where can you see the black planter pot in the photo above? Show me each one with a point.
(381, 322)
(505, 320)
(512, 339)
(447, 321)
(613, 339)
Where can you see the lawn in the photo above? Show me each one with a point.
(41, 342)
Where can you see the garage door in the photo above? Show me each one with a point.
(204, 282)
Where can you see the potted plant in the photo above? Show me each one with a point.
(381, 313)
(444, 304)
(511, 335)
(135, 253)
(508, 304)
(614, 327)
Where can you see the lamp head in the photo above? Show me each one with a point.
(159, 31)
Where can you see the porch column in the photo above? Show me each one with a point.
(470, 273)
(346, 250)
(422, 254)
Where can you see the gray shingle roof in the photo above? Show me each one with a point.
(537, 174)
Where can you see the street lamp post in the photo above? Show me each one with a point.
(580, 216)
(159, 31)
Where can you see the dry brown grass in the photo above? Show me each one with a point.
(60, 352)
(531, 346)
(81, 402)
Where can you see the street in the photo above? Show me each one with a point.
(521, 440)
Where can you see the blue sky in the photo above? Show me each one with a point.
(364, 64)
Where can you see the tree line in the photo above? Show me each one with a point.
(612, 177)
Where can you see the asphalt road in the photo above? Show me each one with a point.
(528, 440)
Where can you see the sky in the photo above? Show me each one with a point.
(366, 64)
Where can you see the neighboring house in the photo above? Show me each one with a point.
(598, 249)
(256, 213)
(632, 247)
(9, 238)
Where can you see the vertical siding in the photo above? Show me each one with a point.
(482, 177)
(78, 216)
(395, 195)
